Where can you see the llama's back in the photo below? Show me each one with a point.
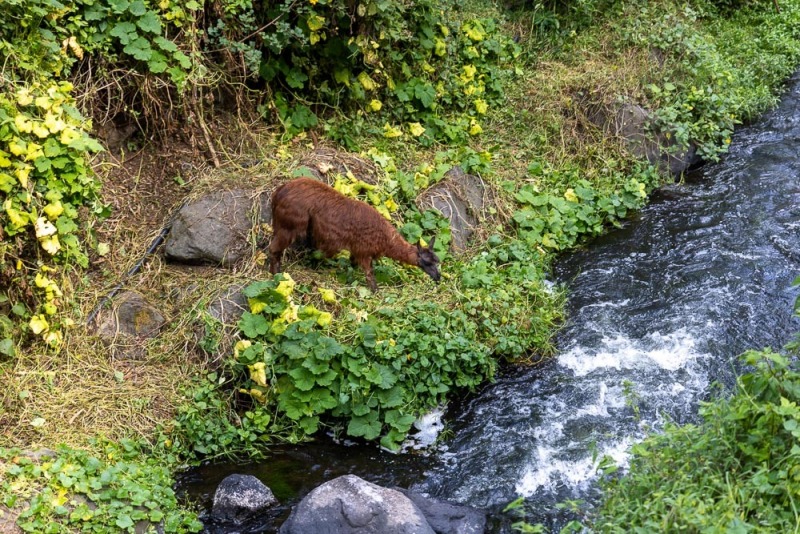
(336, 222)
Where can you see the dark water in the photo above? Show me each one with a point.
(658, 311)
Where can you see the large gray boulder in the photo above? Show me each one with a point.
(215, 229)
(240, 499)
(460, 197)
(351, 505)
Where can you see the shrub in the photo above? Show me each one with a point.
(736, 470)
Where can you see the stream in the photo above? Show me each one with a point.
(659, 311)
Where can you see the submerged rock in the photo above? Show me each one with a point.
(239, 499)
(447, 518)
(351, 505)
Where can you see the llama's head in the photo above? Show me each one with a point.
(428, 260)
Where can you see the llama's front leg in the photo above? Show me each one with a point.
(366, 266)
(279, 243)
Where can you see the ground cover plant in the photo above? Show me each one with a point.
(415, 88)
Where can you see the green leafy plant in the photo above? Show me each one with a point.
(390, 371)
(44, 180)
(736, 470)
(74, 490)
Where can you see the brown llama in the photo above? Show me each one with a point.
(308, 208)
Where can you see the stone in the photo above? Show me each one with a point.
(239, 499)
(351, 505)
(8, 520)
(131, 321)
(460, 197)
(217, 337)
(447, 518)
(213, 229)
(633, 124)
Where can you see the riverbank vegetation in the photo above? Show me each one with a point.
(242, 94)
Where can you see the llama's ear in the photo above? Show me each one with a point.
(433, 240)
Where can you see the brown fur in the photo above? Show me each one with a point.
(334, 222)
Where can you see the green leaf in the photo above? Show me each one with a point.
(426, 94)
(137, 8)
(139, 49)
(253, 325)
(150, 23)
(7, 347)
(124, 31)
(367, 426)
(296, 79)
(124, 521)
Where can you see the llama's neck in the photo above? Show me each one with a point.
(400, 250)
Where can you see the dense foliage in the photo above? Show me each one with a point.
(736, 471)
(72, 490)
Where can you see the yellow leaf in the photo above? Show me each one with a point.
(441, 48)
(50, 244)
(22, 175)
(258, 395)
(240, 347)
(43, 102)
(391, 205)
(315, 23)
(469, 73)
(570, 195)
(258, 373)
(41, 281)
(23, 123)
(40, 130)
(38, 324)
(313, 38)
(49, 308)
(391, 131)
(324, 319)
(366, 82)
(328, 295)
(53, 123)
(256, 305)
(475, 128)
(17, 218)
(53, 339)
(416, 129)
(286, 286)
(24, 97)
(53, 210)
(289, 315)
(68, 135)
(17, 146)
(375, 105)
(481, 106)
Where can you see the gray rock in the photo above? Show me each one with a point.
(634, 125)
(460, 197)
(239, 499)
(229, 305)
(213, 229)
(8, 520)
(350, 505)
(446, 518)
(219, 335)
(130, 322)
